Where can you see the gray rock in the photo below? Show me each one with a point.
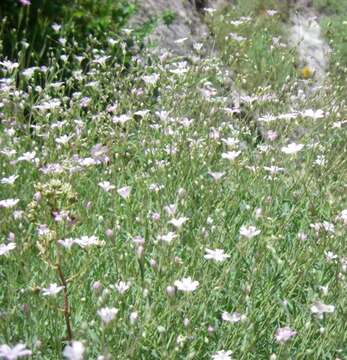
(188, 22)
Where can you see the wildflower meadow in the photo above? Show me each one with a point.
(164, 206)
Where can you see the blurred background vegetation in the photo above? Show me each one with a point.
(29, 27)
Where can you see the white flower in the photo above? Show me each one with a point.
(8, 353)
(178, 223)
(133, 317)
(217, 255)
(273, 169)
(150, 79)
(234, 317)
(168, 238)
(9, 180)
(292, 148)
(6, 248)
(67, 243)
(86, 241)
(222, 355)
(8, 203)
(216, 175)
(124, 192)
(186, 284)
(74, 351)
(231, 155)
(27, 156)
(319, 308)
(52, 290)
(314, 114)
(121, 119)
(249, 231)
(170, 209)
(271, 12)
(122, 286)
(106, 186)
(284, 334)
(107, 314)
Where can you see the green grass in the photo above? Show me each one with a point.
(273, 278)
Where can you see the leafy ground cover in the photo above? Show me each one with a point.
(155, 207)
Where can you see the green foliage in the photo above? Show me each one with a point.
(168, 17)
(79, 18)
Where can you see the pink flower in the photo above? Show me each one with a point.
(25, 2)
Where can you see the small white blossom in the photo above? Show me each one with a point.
(292, 148)
(186, 284)
(107, 314)
(249, 231)
(8, 203)
(52, 290)
(222, 355)
(216, 255)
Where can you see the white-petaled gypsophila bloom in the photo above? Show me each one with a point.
(52, 290)
(186, 284)
(282, 335)
(216, 255)
(8, 353)
(74, 351)
(107, 314)
(222, 355)
(249, 231)
(6, 248)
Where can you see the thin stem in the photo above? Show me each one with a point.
(67, 314)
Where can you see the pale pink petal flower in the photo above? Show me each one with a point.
(124, 192)
(19, 350)
(282, 335)
(6, 248)
(107, 314)
(320, 308)
(74, 351)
